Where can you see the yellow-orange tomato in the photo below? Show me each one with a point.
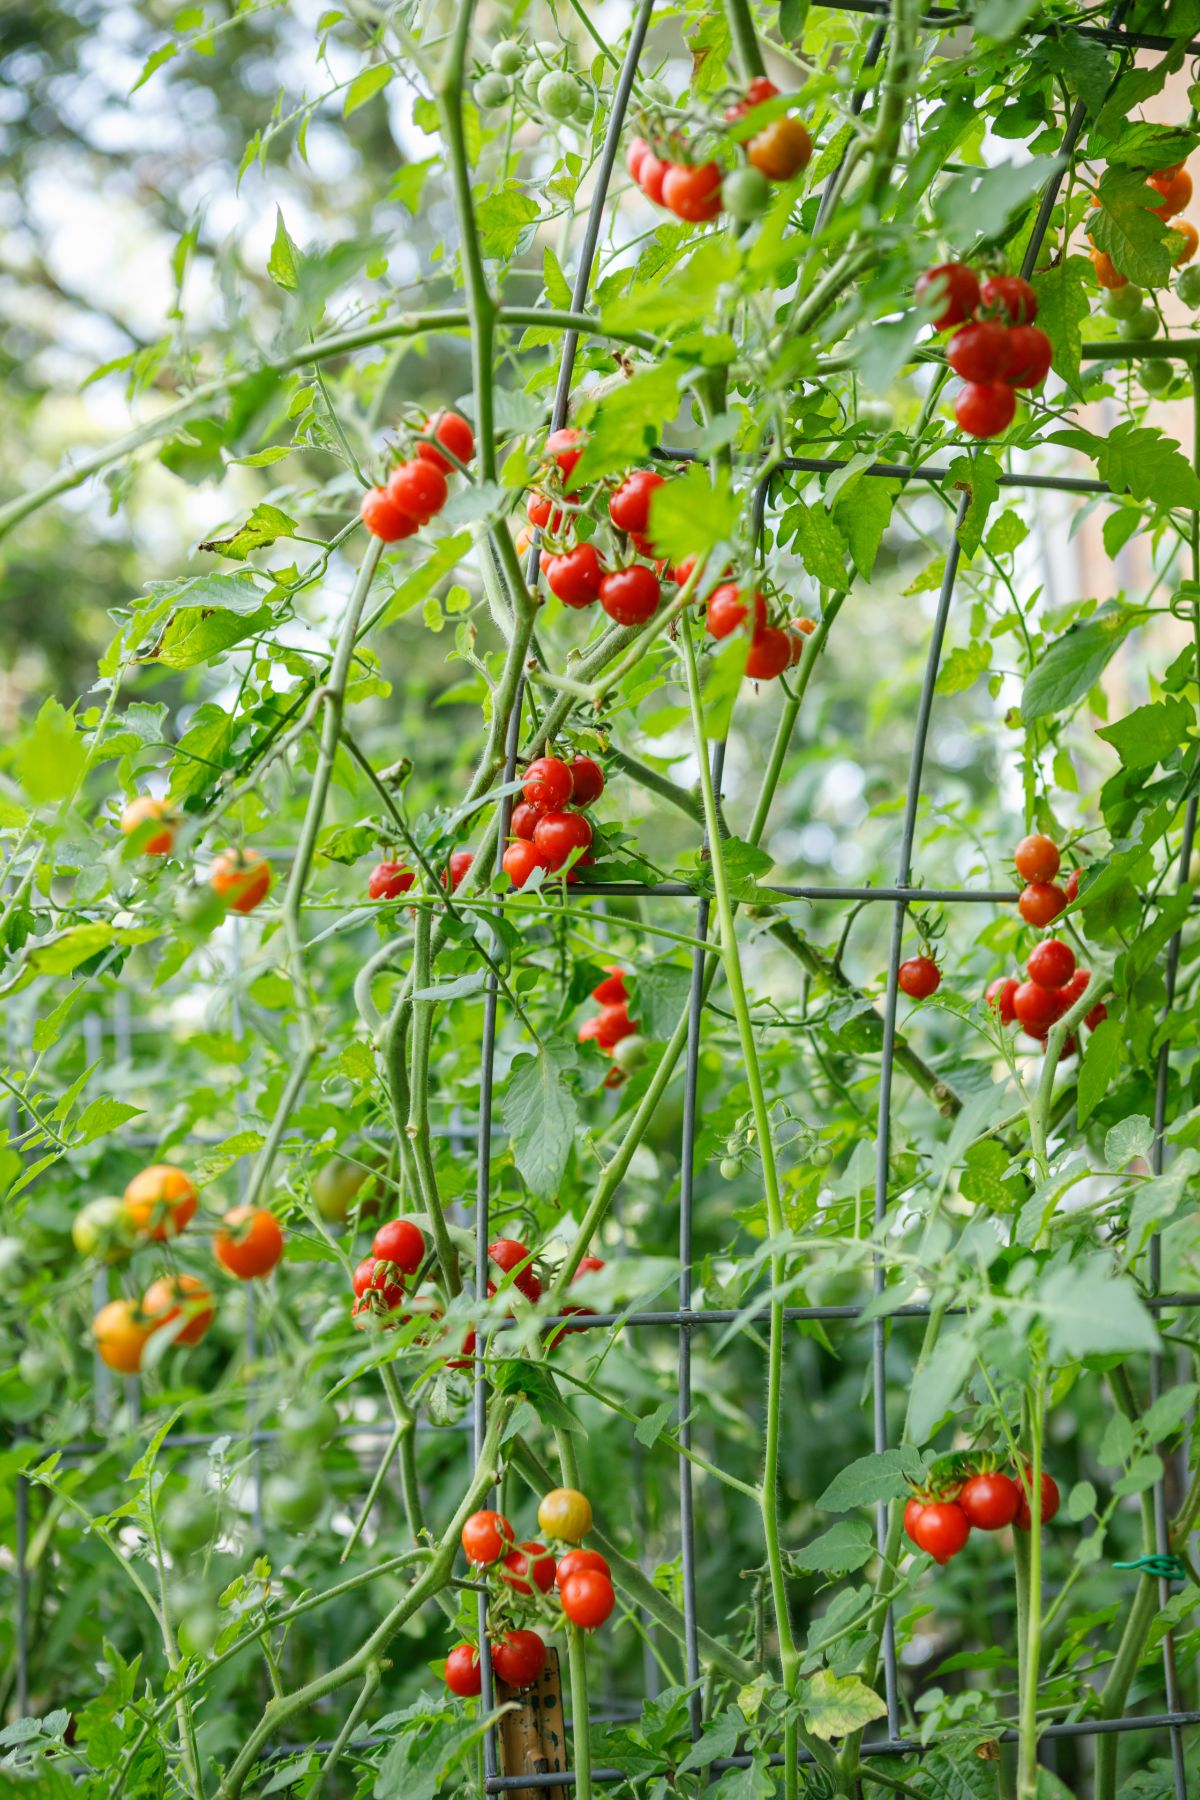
(170, 1295)
(1167, 174)
(1107, 274)
(120, 1336)
(1187, 231)
(140, 812)
(1176, 191)
(780, 150)
(241, 878)
(249, 1242)
(524, 539)
(565, 1514)
(160, 1200)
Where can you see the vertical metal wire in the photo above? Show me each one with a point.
(562, 396)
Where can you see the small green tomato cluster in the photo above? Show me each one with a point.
(536, 77)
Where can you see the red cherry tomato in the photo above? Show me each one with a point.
(1031, 356)
(612, 989)
(547, 783)
(533, 1561)
(613, 1023)
(1051, 1499)
(1097, 1015)
(388, 880)
(453, 433)
(953, 288)
(371, 1278)
(576, 1561)
(524, 819)
(383, 518)
(565, 447)
(165, 1299)
(249, 1243)
(400, 1243)
(635, 155)
(913, 1508)
(509, 1254)
(981, 352)
(760, 89)
(692, 191)
(463, 1675)
(520, 861)
(538, 510)
(587, 781)
(1000, 996)
(1012, 295)
(985, 409)
(587, 1598)
(519, 1658)
(942, 1529)
(1036, 858)
(919, 977)
(769, 655)
(1051, 963)
(990, 1501)
(1034, 1007)
(242, 878)
(651, 175)
(1072, 888)
(727, 610)
(1040, 902)
(629, 508)
(575, 576)
(486, 1536)
(418, 488)
(630, 596)
(556, 834)
(460, 863)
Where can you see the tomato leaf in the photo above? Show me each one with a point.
(1072, 664)
(845, 1546)
(885, 1476)
(540, 1114)
(835, 1705)
(1131, 1137)
(1102, 1055)
(1089, 1312)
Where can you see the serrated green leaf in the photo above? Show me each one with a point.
(540, 1114)
(366, 84)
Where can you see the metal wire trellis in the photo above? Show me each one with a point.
(684, 1319)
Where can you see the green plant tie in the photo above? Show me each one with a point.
(1166, 1568)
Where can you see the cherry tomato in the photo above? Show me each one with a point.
(760, 89)
(576, 1561)
(727, 610)
(171, 1296)
(587, 1598)
(388, 880)
(453, 433)
(373, 1284)
(692, 191)
(1040, 902)
(612, 989)
(532, 1560)
(121, 1335)
(629, 507)
(418, 488)
(521, 860)
(1000, 995)
(981, 352)
(1051, 1499)
(985, 409)
(913, 1508)
(780, 150)
(1011, 294)
(1107, 273)
(463, 1674)
(547, 783)
(1036, 858)
(538, 509)
(1097, 1015)
(557, 834)
(524, 818)
(460, 863)
(249, 1243)
(519, 1658)
(651, 176)
(1075, 987)
(1191, 241)
(635, 155)
(383, 518)
(242, 878)
(630, 596)
(565, 447)
(1051, 963)
(509, 1254)
(400, 1243)
(565, 1514)
(1072, 888)
(769, 655)
(140, 812)
(990, 1501)
(587, 781)
(1031, 356)
(942, 1528)
(919, 977)
(612, 1024)
(486, 1536)
(953, 288)
(1034, 1007)
(1176, 191)
(103, 1228)
(160, 1200)
(575, 576)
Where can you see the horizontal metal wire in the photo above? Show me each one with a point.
(680, 890)
(828, 465)
(943, 17)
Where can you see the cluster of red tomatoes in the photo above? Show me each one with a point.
(158, 1203)
(1051, 987)
(240, 877)
(516, 1261)
(697, 191)
(390, 880)
(1042, 898)
(773, 648)
(416, 489)
(574, 570)
(1174, 184)
(522, 1578)
(548, 825)
(940, 1522)
(998, 348)
(611, 1028)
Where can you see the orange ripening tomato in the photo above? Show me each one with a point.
(780, 150)
(1176, 191)
(1107, 273)
(249, 1243)
(171, 1295)
(241, 878)
(1187, 231)
(160, 1200)
(120, 1336)
(140, 812)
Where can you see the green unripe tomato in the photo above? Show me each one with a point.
(12, 1255)
(292, 1498)
(307, 1424)
(189, 1521)
(492, 91)
(508, 56)
(1187, 286)
(102, 1228)
(656, 93)
(587, 102)
(731, 1168)
(821, 1156)
(1156, 376)
(558, 94)
(1122, 303)
(630, 1053)
(36, 1367)
(198, 1623)
(1143, 325)
(334, 1187)
(745, 194)
(547, 50)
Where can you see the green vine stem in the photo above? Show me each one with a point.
(746, 48)
(1031, 1649)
